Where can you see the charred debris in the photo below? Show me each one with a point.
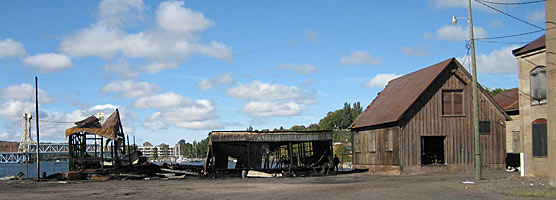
(101, 151)
(269, 154)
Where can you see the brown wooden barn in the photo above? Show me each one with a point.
(423, 122)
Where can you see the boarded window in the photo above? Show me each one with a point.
(452, 102)
(372, 142)
(356, 143)
(538, 85)
(484, 127)
(389, 140)
(539, 138)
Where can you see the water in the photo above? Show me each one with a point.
(50, 168)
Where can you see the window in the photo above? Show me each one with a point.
(452, 102)
(356, 143)
(539, 138)
(372, 142)
(538, 85)
(484, 127)
(389, 140)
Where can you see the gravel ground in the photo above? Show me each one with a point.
(495, 185)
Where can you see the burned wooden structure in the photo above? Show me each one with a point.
(274, 151)
(423, 122)
(109, 149)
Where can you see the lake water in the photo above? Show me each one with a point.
(30, 170)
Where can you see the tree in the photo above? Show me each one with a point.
(342, 151)
(250, 128)
(181, 144)
(493, 92)
(155, 153)
(298, 128)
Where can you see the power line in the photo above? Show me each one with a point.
(508, 36)
(500, 42)
(512, 3)
(56, 122)
(493, 8)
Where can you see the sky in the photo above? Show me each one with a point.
(180, 69)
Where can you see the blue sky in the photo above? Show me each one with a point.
(177, 70)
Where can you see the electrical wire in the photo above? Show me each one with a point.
(512, 3)
(508, 36)
(56, 122)
(493, 8)
(499, 42)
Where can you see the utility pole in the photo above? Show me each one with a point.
(550, 11)
(37, 122)
(477, 136)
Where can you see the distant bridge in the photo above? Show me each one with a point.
(54, 148)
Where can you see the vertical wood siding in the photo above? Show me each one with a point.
(425, 118)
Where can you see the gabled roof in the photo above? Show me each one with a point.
(508, 100)
(537, 44)
(399, 95)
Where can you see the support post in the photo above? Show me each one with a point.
(37, 122)
(477, 136)
(290, 154)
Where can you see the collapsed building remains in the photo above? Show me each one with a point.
(288, 152)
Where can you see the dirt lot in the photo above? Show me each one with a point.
(496, 185)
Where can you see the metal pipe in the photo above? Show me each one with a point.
(37, 122)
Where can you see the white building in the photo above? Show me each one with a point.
(172, 152)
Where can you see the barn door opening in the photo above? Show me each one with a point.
(432, 150)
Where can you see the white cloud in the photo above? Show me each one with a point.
(300, 69)
(380, 80)
(155, 67)
(358, 58)
(130, 89)
(457, 33)
(428, 36)
(12, 110)
(311, 36)
(7, 137)
(10, 47)
(260, 91)
(536, 16)
(48, 62)
(273, 108)
(421, 50)
(266, 100)
(495, 24)
(500, 61)
(174, 109)
(224, 79)
(25, 92)
(174, 38)
(122, 69)
(173, 16)
(116, 13)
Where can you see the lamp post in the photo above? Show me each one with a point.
(477, 136)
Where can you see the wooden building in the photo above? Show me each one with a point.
(423, 122)
(509, 101)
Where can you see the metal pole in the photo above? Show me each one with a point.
(477, 143)
(37, 122)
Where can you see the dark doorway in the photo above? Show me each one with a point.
(432, 150)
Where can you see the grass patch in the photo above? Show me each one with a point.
(551, 193)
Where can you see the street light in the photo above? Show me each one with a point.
(477, 136)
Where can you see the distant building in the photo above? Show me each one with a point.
(531, 60)
(509, 101)
(423, 122)
(6, 146)
(171, 153)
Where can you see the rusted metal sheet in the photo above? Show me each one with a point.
(508, 100)
(281, 136)
(398, 95)
(537, 44)
(110, 128)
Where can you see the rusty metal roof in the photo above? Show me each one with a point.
(271, 136)
(537, 44)
(508, 100)
(110, 129)
(399, 95)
